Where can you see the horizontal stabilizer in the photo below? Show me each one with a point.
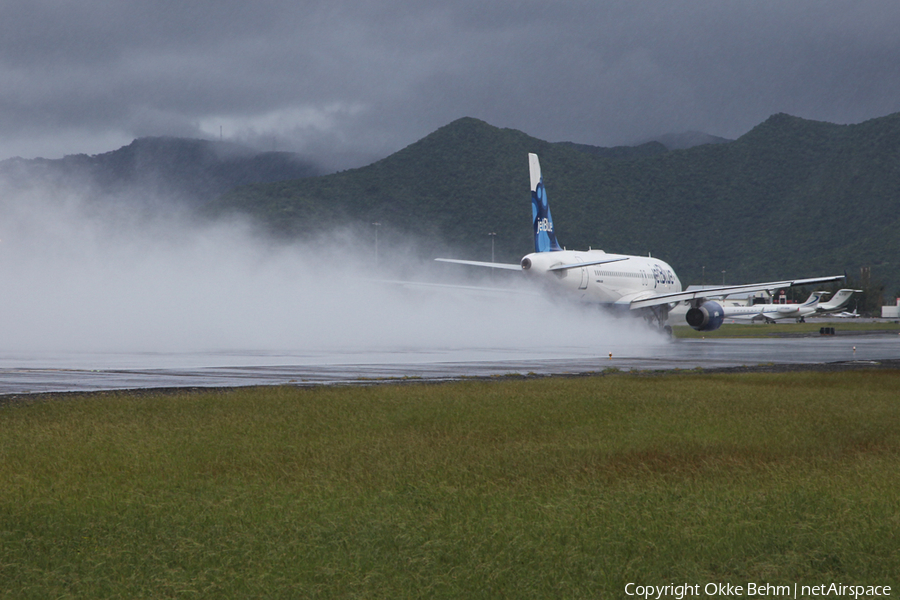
(589, 263)
(478, 263)
(454, 287)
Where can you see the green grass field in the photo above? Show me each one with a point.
(555, 488)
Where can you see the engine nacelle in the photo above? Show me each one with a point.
(709, 316)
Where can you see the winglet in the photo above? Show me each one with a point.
(544, 236)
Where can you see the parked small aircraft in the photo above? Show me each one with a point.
(639, 284)
(773, 312)
(814, 306)
(837, 302)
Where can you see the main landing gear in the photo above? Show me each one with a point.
(659, 315)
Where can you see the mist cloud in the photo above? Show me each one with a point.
(85, 277)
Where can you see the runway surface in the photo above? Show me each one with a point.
(42, 372)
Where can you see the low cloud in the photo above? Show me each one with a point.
(85, 277)
(74, 76)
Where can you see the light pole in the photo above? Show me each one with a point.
(377, 225)
(723, 277)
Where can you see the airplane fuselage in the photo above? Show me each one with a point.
(773, 312)
(624, 277)
(769, 312)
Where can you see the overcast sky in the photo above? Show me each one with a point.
(359, 79)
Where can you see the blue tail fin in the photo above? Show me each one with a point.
(544, 237)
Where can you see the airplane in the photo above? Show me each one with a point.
(772, 312)
(837, 302)
(641, 285)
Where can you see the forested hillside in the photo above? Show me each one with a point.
(791, 198)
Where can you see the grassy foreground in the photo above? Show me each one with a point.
(557, 488)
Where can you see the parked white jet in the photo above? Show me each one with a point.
(642, 284)
(772, 312)
(837, 302)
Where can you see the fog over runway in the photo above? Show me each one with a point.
(109, 297)
(102, 288)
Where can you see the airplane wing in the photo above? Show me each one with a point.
(628, 300)
(726, 291)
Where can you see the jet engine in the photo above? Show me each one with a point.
(709, 316)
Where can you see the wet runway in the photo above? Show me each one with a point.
(37, 373)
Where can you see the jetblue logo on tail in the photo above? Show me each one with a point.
(544, 238)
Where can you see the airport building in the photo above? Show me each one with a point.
(891, 312)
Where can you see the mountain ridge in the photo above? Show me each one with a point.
(186, 170)
(790, 198)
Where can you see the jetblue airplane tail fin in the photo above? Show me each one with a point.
(544, 237)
